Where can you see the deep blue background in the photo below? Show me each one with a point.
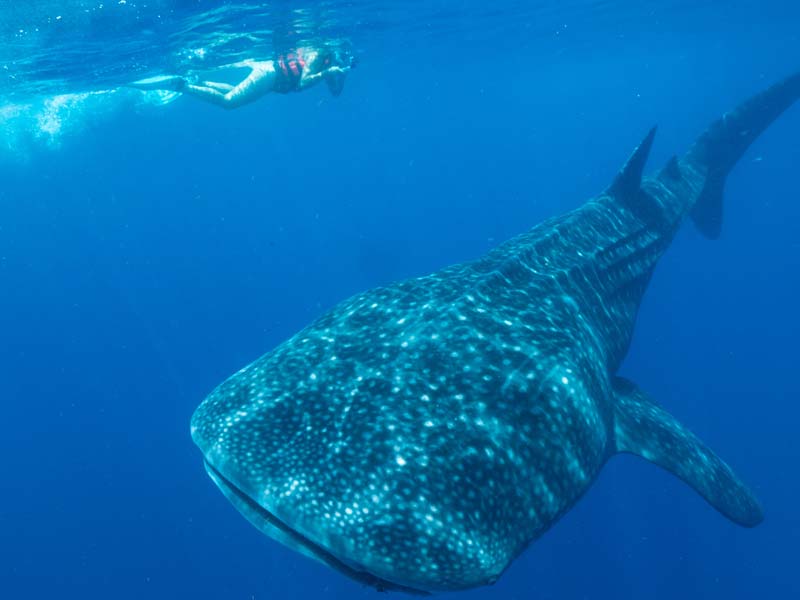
(158, 250)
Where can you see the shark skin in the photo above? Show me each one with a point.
(419, 436)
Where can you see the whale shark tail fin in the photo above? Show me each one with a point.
(643, 428)
(707, 164)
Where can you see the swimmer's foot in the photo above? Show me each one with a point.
(171, 83)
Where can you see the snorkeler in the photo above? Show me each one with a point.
(290, 72)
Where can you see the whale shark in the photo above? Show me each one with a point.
(419, 436)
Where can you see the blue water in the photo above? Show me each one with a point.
(152, 245)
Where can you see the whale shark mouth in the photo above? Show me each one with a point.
(314, 549)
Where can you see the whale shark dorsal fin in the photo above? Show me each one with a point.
(629, 180)
(643, 428)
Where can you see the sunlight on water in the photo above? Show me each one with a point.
(61, 60)
(49, 48)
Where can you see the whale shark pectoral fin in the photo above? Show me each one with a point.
(628, 182)
(643, 428)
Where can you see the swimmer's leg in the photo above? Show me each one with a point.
(209, 91)
(259, 82)
(220, 87)
(210, 94)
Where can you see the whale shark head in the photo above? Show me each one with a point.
(346, 482)
(377, 452)
(312, 450)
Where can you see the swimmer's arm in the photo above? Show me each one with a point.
(308, 80)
